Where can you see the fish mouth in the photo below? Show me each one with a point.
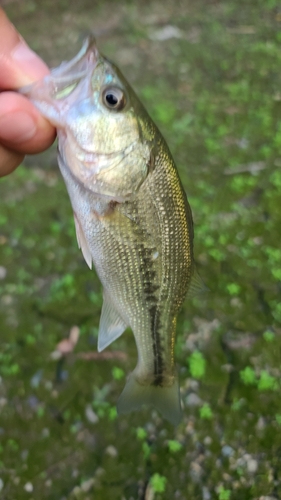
(86, 59)
(69, 72)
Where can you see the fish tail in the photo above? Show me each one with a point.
(165, 399)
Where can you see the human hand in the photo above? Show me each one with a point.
(22, 129)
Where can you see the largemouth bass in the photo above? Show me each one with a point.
(132, 218)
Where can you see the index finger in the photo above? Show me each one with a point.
(19, 65)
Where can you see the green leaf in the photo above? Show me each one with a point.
(141, 433)
(117, 373)
(248, 376)
(206, 412)
(233, 288)
(268, 336)
(174, 446)
(197, 365)
(267, 382)
(146, 450)
(224, 494)
(112, 413)
(278, 418)
(40, 411)
(158, 483)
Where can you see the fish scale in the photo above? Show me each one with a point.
(132, 217)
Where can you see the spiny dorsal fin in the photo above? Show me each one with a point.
(111, 325)
(196, 285)
(82, 242)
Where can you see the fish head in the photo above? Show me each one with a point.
(99, 122)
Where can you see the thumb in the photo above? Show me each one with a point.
(19, 64)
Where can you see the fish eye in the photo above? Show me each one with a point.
(114, 98)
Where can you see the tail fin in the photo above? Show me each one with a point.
(164, 399)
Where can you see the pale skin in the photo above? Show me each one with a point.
(22, 129)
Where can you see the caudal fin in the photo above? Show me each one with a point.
(165, 399)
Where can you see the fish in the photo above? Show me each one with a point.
(132, 218)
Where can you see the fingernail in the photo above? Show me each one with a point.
(17, 127)
(30, 63)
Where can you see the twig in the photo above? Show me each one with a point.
(252, 167)
(102, 356)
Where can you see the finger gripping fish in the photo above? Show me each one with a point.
(132, 218)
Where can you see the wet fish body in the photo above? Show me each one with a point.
(132, 218)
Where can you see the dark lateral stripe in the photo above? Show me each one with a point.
(157, 347)
(150, 288)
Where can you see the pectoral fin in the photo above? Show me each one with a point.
(196, 285)
(82, 242)
(111, 325)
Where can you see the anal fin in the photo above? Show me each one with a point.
(111, 325)
(82, 242)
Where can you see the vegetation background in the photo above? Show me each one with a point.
(209, 75)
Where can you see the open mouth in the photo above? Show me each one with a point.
(87, 56)
(68, 72)
(54, 94)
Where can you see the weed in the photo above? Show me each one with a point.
(206, 412)
(197, 365)
(158, 483)
(174, 446)
(267, 382)
(224, 494)
(248, 376)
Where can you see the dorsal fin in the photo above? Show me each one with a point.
(82, 242)
(111, 325)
